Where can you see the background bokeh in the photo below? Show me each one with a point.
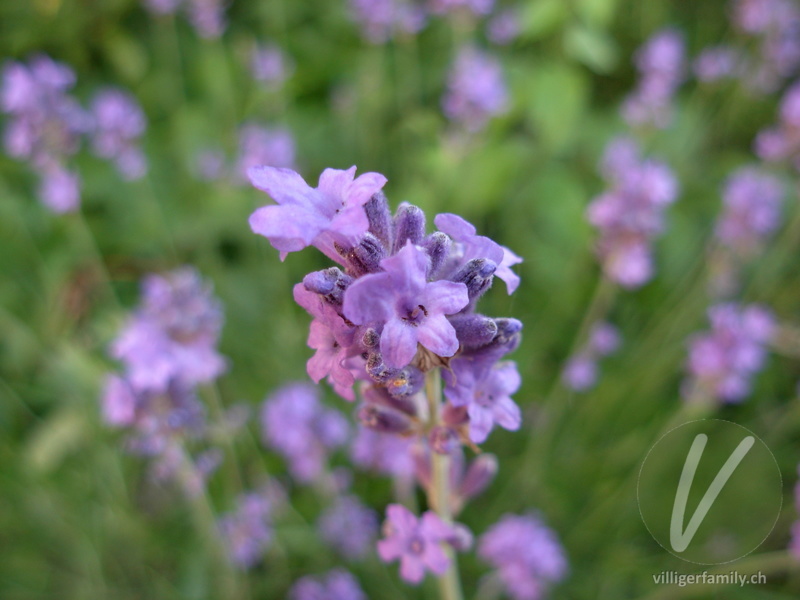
(79, 518)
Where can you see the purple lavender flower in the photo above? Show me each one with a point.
(471, 246)
(45, 125)
(207, 17)
(247, 532)
(337, 584)
(264, 146)
(416, 543)
(410, 309)
(209, 164)
(476, 89)
(162, 7)
(630, 215)
(486, 392)
(322, 216)
(774, 25)
(383, 452)
(173, 335)
(270, 65)
(782, 142)
(504, 27)
(476, 7)
(723, 361)
(580, 372)
(294, 423)
(716, 63)
(349, 527)
(381, 20)
(526, 553)
(118, 123)
(60, 190)
(751, 210)
(661, 65)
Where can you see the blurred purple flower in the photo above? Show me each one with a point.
(505, 26)
(526, 553)
(296, 424)
(782, 142)
(45, 125)
(723, 361)
(580, 372)
(718, 62)
(383, 452)
(118, 122)
(751, 210)
(476, 89)
(270, 65)
(485, 390)
(270, 146)
(207, 17)
(60, 190)
(337, 584)
(661, 67)
(247, 532)
(381, 20)
(476, 7)
(349, 527)
(173, 335)
(630, 215)
(416, 543)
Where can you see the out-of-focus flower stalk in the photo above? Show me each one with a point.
(439, 491)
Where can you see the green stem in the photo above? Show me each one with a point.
(439, 492)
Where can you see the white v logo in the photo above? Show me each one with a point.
(679, 539)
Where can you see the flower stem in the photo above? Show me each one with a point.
(439, 492)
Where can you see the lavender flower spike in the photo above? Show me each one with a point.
(526, 554)
(322, 216)
(337, 584)
(417, 543)
(411, 309)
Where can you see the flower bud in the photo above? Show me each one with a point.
(409, 225)
(380, 219)
(366, 257)
(474, 330)
(477, 274)
(480, 474)
(437, 245)
(330, 283)
(461, 539)
(384, 420)
(443, 440)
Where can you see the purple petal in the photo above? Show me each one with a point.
(368, 300)
(411, 569)
(407, 270)
(454, 226)
(283, 185)
(437, 335)
(480, 423)
(506, 413)
(288, 228)
(445, 297)
(364, 187)
(399, 342)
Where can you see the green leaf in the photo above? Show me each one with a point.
(559, 96)
(592, 47)
(543, 17)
